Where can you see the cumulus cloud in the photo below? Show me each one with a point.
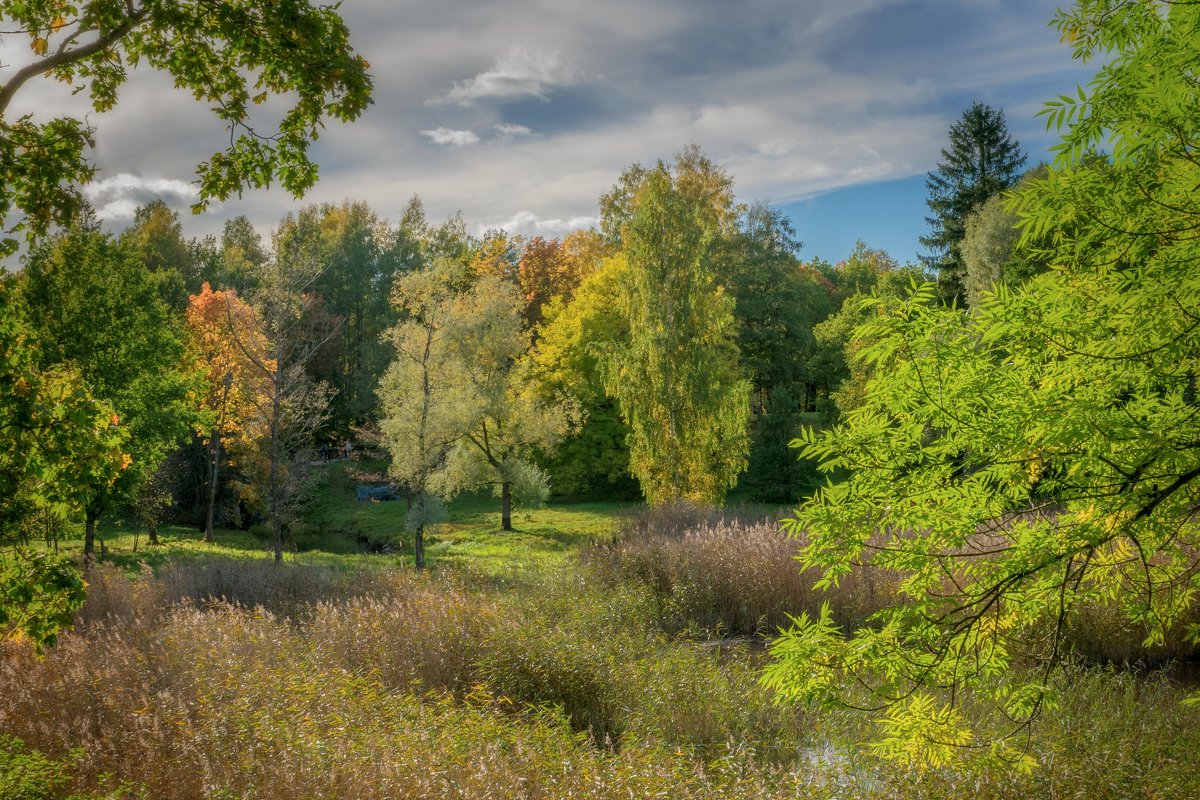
(506, 132)
(526, 223)
(117, 198)
(517, 73)
(451, 137)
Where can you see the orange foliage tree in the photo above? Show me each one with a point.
(234, 387)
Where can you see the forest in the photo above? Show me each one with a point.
(660, 508)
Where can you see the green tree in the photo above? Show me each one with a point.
(360, 266)
(232, 56)
(501, 422)
(58, 445)
(1013, 466)
(156, 235)
(982, 160)
(423, 409)
(567, 361)
(94, 306)
(677, 380)
(989, 248)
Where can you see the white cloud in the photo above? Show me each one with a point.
(517, 73)
(527, 223)
(451, 137)
(116, 199)
(506, 132)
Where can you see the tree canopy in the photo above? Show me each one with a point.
(231, 55)
(1042, 453)
(981, 161)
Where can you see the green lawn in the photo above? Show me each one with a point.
(336, 529)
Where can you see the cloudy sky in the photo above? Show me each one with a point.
(520, 114)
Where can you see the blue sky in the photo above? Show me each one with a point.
(520, 114)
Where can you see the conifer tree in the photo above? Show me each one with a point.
(981, 161)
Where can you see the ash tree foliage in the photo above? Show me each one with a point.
(233, 56)
(1042, 453)
(677, 379)
(981, 161)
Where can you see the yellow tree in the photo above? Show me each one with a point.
(233, 385)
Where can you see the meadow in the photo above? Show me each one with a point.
(600, 650)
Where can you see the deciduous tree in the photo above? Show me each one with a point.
(1015, 465)
(94, 306)
(231, 56)
(226, 338)
(677, 380)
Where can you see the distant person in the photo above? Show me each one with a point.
(325, 452)
(349, 448)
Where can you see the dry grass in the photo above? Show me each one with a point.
(729, 574)
(394, 684)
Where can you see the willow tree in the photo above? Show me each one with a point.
(1042, 455)
(677, 379)
(460, 412)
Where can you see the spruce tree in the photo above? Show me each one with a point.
(981, 161)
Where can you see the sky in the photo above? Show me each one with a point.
(521, 114)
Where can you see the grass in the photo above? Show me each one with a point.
(338, 530)
(511, 669)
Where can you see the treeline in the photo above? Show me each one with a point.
(672, 353)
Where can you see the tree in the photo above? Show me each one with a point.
(1040, 456)
(499, 421)
(157, 237)
(360, 265)
(293, 406)
(58, 444)
(226, 337)
(989, 248)
(422, 405)
(95, 307)
(677, 380)
(982, 160)
(233, 56)
(567, 361)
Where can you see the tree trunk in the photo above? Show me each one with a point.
(152, 532)
(506, 506)
(275, 490)
(213, 467)
(89, 538)
(419, 535)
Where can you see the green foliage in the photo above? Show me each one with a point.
(1038, 457)
(29, 775)
(677, 380)
(567, 361)
(95, 307)
(989, 250)
(232, 56)
(460, 414)
(982, 160)
(39, 594)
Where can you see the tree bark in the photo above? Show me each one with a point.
(419, 534)
(89, 538)
(506, 506)
(213, 467)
